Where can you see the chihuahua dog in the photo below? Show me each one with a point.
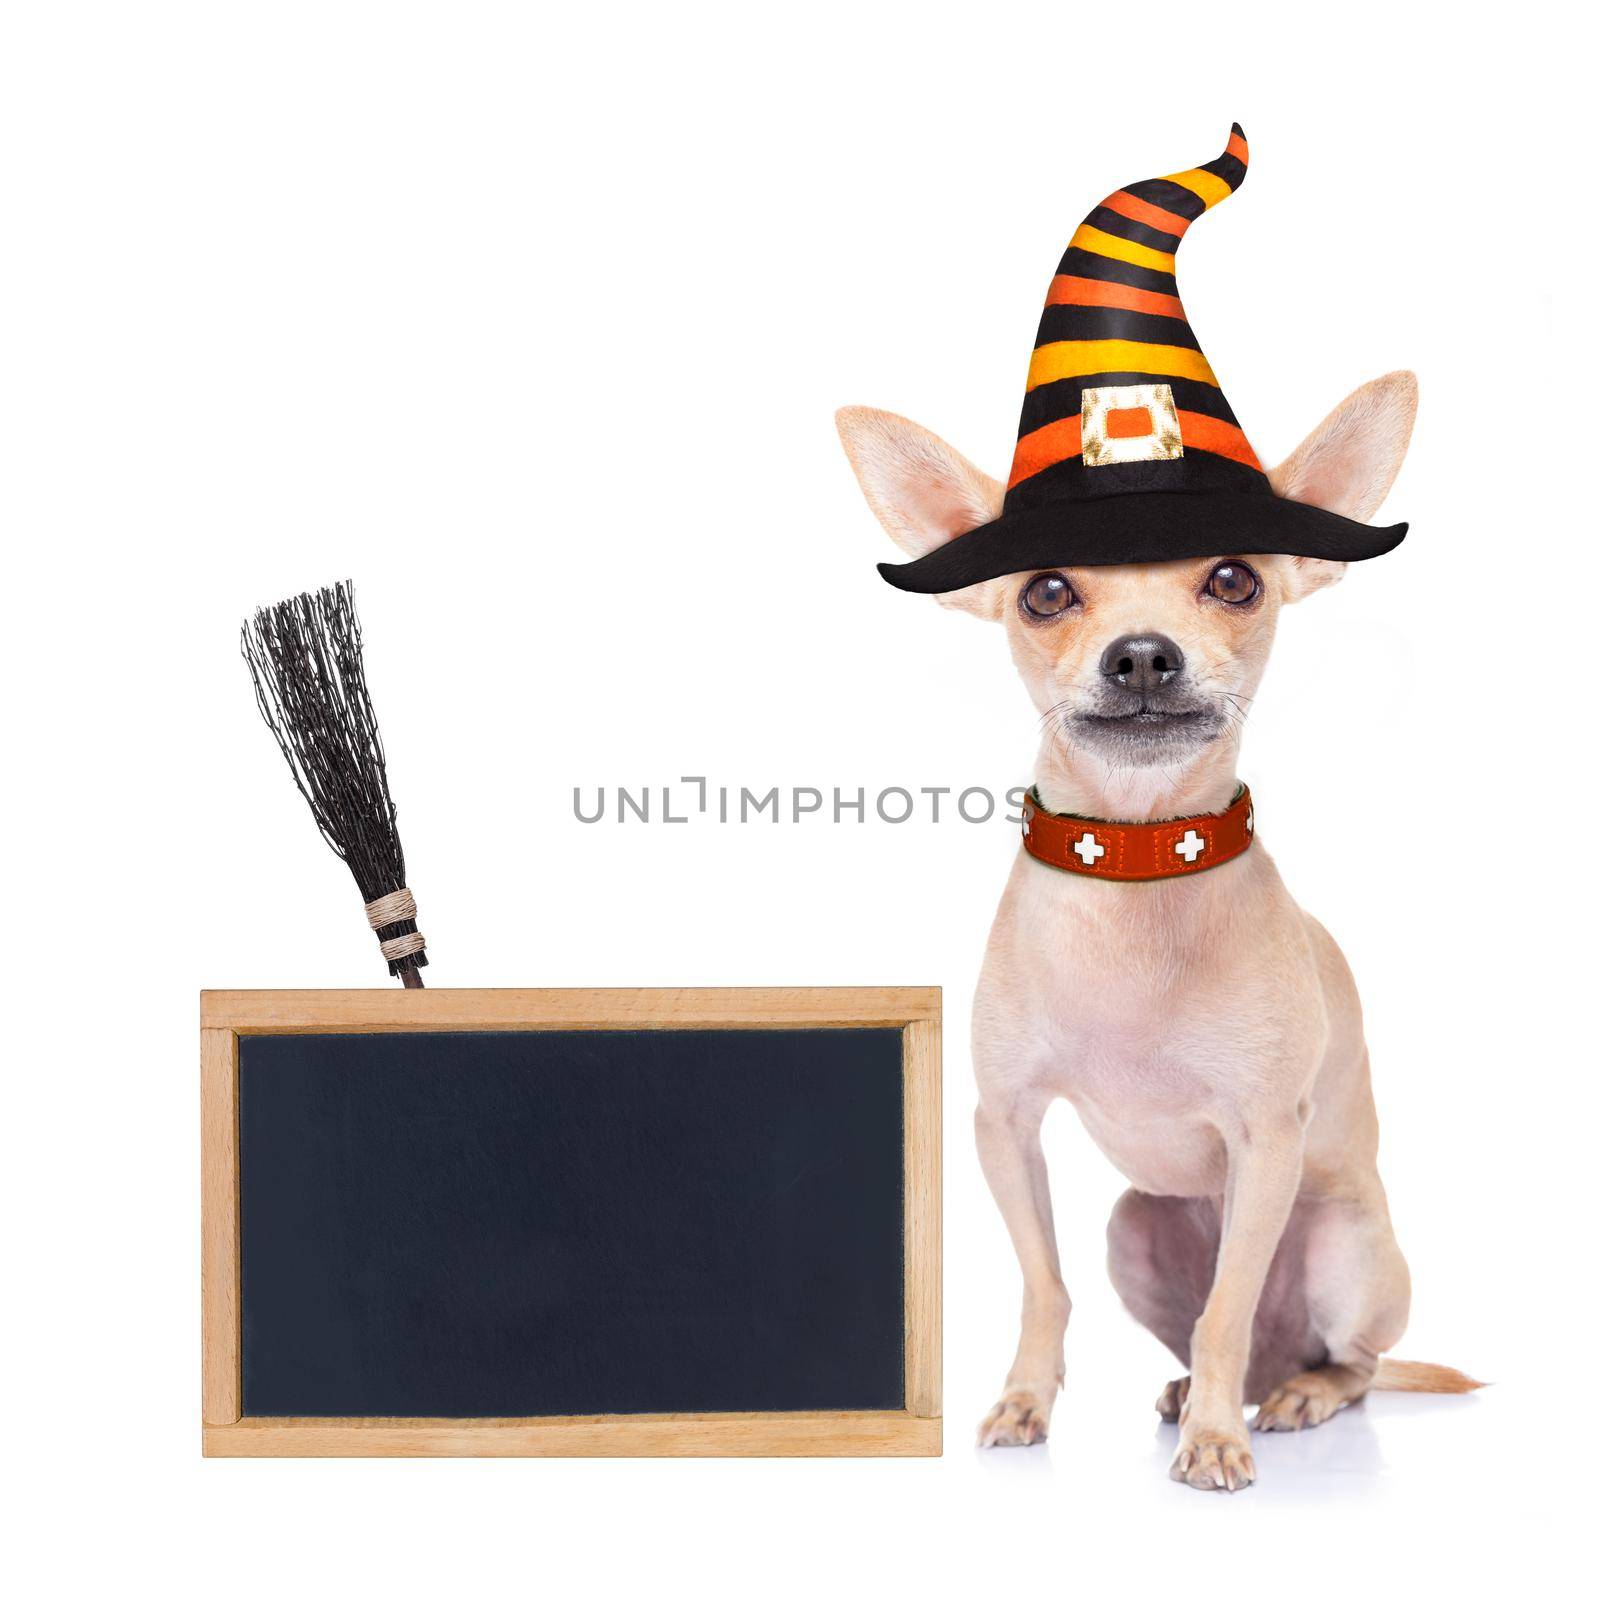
(1206, 1029)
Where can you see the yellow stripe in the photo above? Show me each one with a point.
(1077, 358)
(1101, 243)
(1207, 185)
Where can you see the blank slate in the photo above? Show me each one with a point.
(545, 1222)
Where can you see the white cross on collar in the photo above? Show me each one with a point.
(1088, 849)
(1190, 846)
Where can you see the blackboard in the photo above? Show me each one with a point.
(550, 1224)
(486, 1225)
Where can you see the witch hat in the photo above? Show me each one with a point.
(1128, 450)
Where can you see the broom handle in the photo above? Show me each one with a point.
(411, 978)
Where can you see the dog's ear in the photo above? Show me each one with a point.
(1348, 464)
(923, 492)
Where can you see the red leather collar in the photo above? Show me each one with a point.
(1137, 852)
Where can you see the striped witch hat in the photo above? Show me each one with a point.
(1128, 449)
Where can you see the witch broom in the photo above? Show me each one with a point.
(304, 656)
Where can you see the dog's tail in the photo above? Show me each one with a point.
(1422, 1377)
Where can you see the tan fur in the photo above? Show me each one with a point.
(1206, 1029)
(1422, 1377)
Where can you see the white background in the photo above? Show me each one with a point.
(533, 323)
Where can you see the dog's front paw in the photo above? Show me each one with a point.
(1214, 1458)
(1019, 1416)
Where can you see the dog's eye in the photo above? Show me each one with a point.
(1048, 595)
(1234, 583)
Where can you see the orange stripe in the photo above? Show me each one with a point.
(1137, 210)
(1044, 447)
(1238, 147)
(1070, 291)
(1060, 441)
(1201, 432)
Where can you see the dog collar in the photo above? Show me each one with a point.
(1137, 852)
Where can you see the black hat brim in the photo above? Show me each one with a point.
(1113, 530)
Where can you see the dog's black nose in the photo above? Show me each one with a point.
(1142, 661)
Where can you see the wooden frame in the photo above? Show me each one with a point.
(226, 1014)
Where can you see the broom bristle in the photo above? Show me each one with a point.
(304, 657)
